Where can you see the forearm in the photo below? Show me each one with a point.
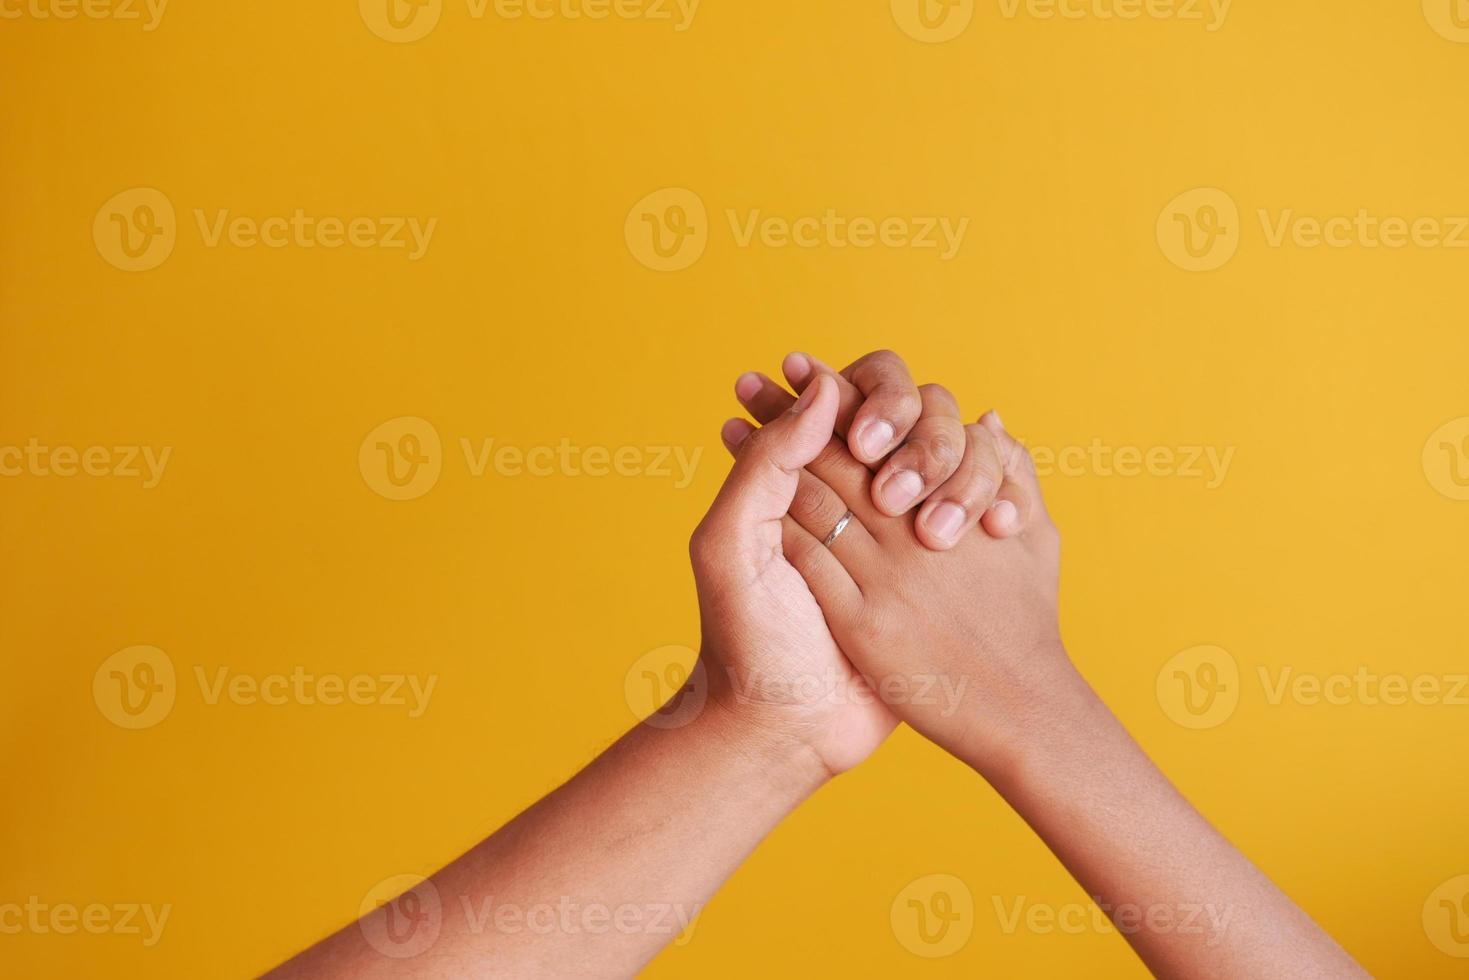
(596, 878)
(1187, 900)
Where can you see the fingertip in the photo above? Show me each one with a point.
(991, 420)
(873, 437)
(945, 523)
(797, 368)
(817, 393)
(898, 492)
(1002, 520)
(814, 418)
(734, 432)
(748, 386)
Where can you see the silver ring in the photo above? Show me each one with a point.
(836, 532)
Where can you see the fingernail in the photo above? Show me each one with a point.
(796, 367)
(875, 438)
(901, 489)
(734, 432)
(992, 414)
(1006, 514)
(748, 386)
(946, 520)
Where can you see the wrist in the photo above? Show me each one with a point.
(776, 750)
(1051, 713)
(717, 731)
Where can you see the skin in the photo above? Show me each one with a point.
(627, 852)
(952, 473)
(660, 820)
(983, 617)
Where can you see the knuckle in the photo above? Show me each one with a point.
(984, 451)
(700, 545)
(811, 500)
(1048, 536)
(982, 489)
(755, 443)
(1017, 456)
(799, 548)
(909, 405)
(876, 365)
(936, 396)
(944, 452)
(868, 625)
(896, 402)
(1027, 462)
(832, 455)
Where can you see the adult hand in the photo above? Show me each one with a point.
(767, 654)
(980, 620)
(912, 437)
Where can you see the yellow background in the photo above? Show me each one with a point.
(529, 320)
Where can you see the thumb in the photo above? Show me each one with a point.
(758, 492)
